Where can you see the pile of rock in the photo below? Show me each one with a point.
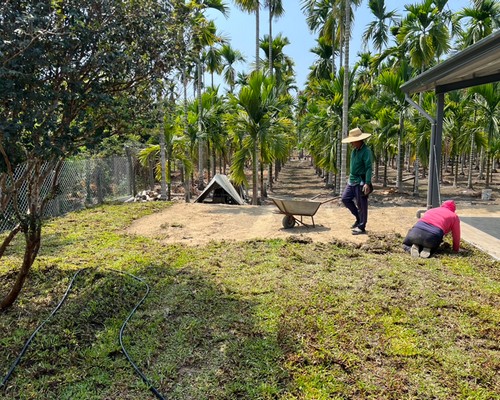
(145, 195)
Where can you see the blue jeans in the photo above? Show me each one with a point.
(358, 209)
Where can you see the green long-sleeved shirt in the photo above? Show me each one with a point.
(361, 165)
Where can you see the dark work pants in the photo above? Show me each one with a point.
(360, 208)
(430, 237)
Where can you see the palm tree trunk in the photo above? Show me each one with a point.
(386, 162)
(270, 41)
(488, 167)
(255, 174)
(345, 106)
(481, 164)
(400, 154)
(201, 184)
(257, 36)
(415, 171)
(263, 191)
(455, 175)
(187, 181)
(271, 73)
(270, 176)
(169, 172)
(163, 194)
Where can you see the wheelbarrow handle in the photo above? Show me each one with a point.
(333, 198)
(326, 201)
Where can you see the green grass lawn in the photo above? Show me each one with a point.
(266, 319)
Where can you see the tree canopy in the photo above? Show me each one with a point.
(65, 66)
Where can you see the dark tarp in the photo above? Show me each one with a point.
(222, 191)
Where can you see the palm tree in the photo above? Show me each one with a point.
(377, 30)
(317, 124)
(205, 35)
(329, 95)
(176, 144)
(229, 57)
(258, 105)
(384, 126)
(214, 109)
(282, 64)
(345, 96)
(322, 66)
(283, 67)
(425, 32)
(482, 19)
(488, 101)
(276, 10)
(454, 125)
(251, 6)
(323, 16)
(212, 59)
(393, 96)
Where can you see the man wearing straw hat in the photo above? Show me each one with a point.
(360, 179)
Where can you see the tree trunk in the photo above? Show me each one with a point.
(386, 162)
(255, 172)
(400, 165)
(376, 173)
(187, 180)
(481, 165)
(277, 169)
(32, 235)
(271, 72)
(345, 105)
(455, 175)
(270, 177)
(263, 191)
(415, 182)
(257, 36)
(163, 158)
(201, 184)
(169, 172)
(488, 167)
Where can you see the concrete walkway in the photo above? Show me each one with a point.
(482, 231)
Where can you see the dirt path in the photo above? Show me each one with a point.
(195, 223)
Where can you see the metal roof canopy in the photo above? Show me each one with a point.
(476, 65)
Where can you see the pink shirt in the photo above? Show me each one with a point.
(444, 217)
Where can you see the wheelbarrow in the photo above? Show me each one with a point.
(298, 208)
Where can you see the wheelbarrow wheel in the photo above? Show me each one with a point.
(288, 221)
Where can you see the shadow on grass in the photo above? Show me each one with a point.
(189, 338)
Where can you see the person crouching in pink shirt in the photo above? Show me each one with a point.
(426, 235)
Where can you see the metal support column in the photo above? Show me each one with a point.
(433, 192)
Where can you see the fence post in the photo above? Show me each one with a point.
(131, 172)
(100, 197)
(88, 177)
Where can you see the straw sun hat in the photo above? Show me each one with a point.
(355, 135)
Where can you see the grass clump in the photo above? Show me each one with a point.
(260, 319)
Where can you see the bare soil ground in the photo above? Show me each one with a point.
(390, 213)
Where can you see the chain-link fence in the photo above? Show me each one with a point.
(83, 183)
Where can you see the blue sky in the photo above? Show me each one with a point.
(239, 27)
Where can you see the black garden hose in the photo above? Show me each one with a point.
(137, 370)
(28, 342)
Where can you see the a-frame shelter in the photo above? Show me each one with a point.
(476, 65)
(222, 191)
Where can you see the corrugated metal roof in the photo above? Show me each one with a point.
(475, 65)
